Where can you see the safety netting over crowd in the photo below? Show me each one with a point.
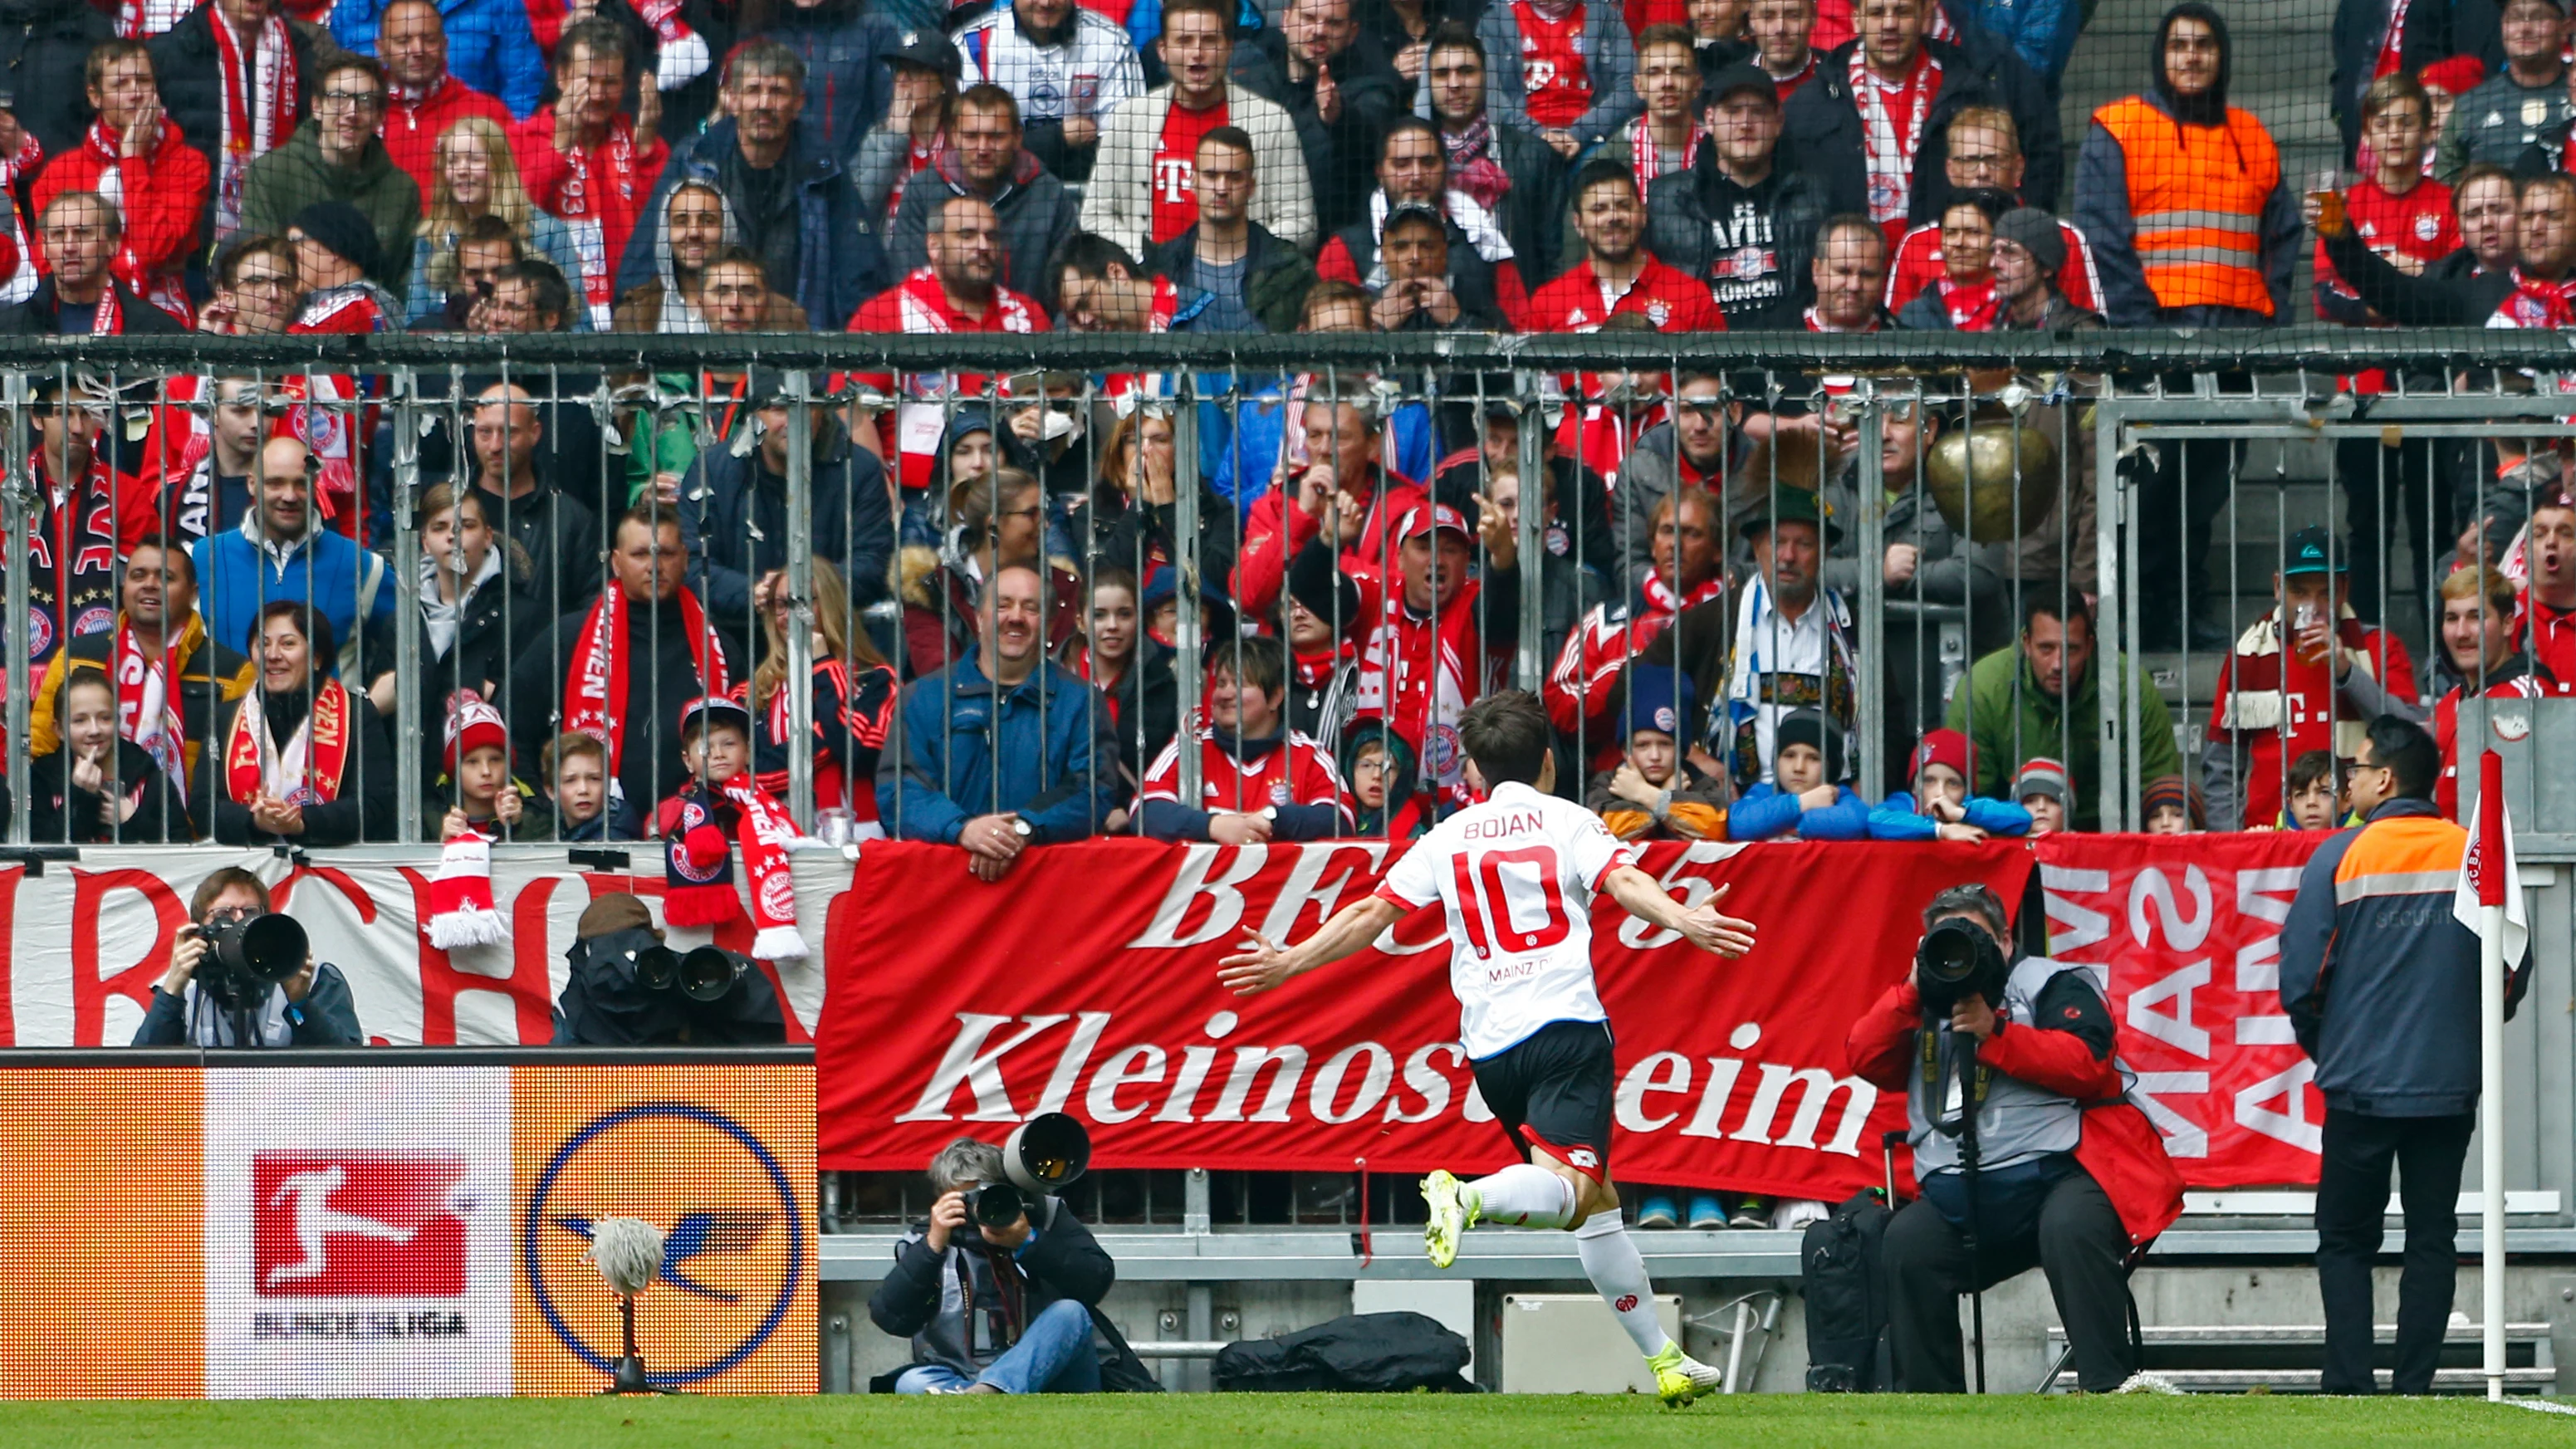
(2006, 415)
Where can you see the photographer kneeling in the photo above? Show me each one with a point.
(996, 1292)
(231, 983)
(2056, 1168)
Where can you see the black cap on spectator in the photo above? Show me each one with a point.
(2035, 232)
(341, 229)
(1741, 76)
(928, 50)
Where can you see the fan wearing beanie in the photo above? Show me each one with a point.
(1656, 793)
(487, 808)
(721, 806)
(1803, 797)
(1940, 807)
(2171, 806)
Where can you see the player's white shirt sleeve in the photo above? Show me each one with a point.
(1414, 880)
(1591, 851)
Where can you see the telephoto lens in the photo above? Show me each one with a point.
(997, 1204)
(1957, 960)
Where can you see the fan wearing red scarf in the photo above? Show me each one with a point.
(1689, 570)
(306, 761)
(71, 543)
(718, 807)
(623, 666)
(136, 159)
(583, 161)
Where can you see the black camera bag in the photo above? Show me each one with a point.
(1846, 1294)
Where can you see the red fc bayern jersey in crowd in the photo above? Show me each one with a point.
(2419, 224)
(1296, 771)
(1176, 164)
(2549, 636)
(162, 194)
(1919, 264)
(919, 304)
(1555, 87)
(1576, 302)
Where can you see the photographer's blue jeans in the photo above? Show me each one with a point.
(1053, 1357)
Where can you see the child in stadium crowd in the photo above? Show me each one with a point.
(482, 799)
(2172, 807)
(1941, 767)
(1381, 772)
(1656, 794)
(95, 785)
(573, 771)
(2316, 801)
(2041, 789)
(1258, 779)
(1800, 798)
(721, 806)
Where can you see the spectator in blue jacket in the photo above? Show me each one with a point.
(795, 204)
(2380, 982)
(1801, 798)
(282, 551)
(1004, 749)
(1940, 807)
(489, 45)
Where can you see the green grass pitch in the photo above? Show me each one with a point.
(1283, 1421)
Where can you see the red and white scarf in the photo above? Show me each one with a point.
(2392, 46)
(1971, 305)
(461, 908)
(1646, 159)
(143, 710)
(584, 210)
(1473, 167)
(1889, 152)
(698, 890)
(309, 770)
(250, 131)
(595, 686)
(1668, 605)
(2537, 304)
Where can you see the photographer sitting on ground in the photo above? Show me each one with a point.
(310, 1008)
(998, 1308)
(2068, 1175)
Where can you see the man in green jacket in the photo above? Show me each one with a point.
(2043, 698)
(336, 156)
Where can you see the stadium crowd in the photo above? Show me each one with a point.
(998, 612)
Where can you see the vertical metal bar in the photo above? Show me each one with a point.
(2111, 508)
(1871, 685)
(799, 683)
(1530, 659)
(406, 502)
(17, 492)
(1185, 522)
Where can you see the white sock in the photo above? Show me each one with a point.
(1524, 1195)
(1618, 1273)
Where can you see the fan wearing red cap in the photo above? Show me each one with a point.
(487, 808)
(720, 807)
(1939, 807)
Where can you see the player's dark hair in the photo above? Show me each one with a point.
(1507, 736)
(2412, 759)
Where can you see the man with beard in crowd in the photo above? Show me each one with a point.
(1736, 219)
(1033, 214)
(1686, 572)
(1414, 167)
(1503, 166)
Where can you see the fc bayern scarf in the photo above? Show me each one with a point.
(698, 865)
(595, 687)
(309, 770)
(249, 130)
(71, 583)
(143, 711)
(461, 908)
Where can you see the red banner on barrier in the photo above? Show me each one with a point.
(1087, 983)
(2189, 929)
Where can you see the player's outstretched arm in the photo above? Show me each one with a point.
(1702, 925)
(1261, 965)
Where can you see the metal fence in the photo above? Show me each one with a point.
(1961, 478)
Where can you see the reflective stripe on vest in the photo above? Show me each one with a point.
(2018, 1121)
(2197, 195)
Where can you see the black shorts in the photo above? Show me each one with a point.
(1552, 1091)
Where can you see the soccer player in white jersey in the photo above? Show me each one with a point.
(1517, 874)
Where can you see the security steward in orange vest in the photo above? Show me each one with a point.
(2192, 225)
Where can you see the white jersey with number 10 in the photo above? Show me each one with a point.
(1516, 873)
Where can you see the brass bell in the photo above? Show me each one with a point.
(1972, 472)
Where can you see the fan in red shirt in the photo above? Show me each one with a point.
(957, 292)
(135, 157)
(422, 99)
(1556, 86)
(1348, 486)
(1984, 149)
(1689, 570)
(1176, 160)
(2396, 211)
(1259, 780)
(582, 161)
(2547, 625)
(2478, 636)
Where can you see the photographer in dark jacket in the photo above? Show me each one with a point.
(2380, 982)
(2071, 1177)
(997, 1310)
(310, 1008)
